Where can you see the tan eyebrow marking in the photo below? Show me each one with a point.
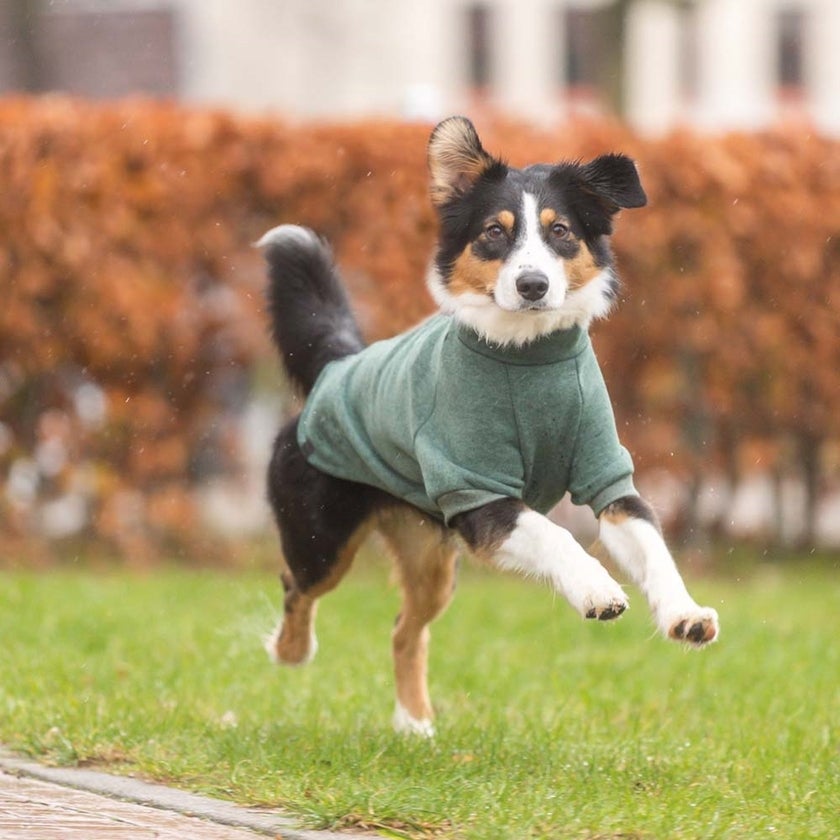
(507, 220)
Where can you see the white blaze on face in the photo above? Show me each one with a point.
(531, 254)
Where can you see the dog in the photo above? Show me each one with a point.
(466, 430)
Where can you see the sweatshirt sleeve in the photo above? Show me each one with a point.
(602, 470)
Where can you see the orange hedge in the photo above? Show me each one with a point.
(132, 300)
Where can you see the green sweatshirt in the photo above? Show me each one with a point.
(444, 420)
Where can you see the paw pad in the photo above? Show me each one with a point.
(698, 632)
(608, 612)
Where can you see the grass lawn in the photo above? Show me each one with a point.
(549, 727)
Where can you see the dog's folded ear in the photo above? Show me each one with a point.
(457, 160)
(616, 179)
(601, 188)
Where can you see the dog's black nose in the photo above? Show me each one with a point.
(532, 285)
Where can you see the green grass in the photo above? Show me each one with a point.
(549, 727)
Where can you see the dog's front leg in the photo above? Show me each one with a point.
(630, 532)
(514, 537)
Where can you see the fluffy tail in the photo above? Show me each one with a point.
(311, 319)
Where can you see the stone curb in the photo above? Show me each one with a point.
(164, 798)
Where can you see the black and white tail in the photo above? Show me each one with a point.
(311, 319)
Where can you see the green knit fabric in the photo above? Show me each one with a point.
(444, 420)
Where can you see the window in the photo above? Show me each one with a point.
(790, 51)
(99, 53)
(479, 35)
(584, 52)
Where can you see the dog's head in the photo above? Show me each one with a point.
(523, 252)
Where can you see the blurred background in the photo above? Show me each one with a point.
(719, 64)
(144, 144)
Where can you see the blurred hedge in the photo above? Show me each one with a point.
(132, 300)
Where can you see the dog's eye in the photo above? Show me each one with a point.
(494, 231)
(560, 230)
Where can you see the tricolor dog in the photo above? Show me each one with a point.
(466, 430)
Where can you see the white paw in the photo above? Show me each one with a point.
(596, 594)
(405, 724)
(281, 654)
(537, 547)
(696, 626)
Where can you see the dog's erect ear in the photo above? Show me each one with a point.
(603, 187)
(616, 179)
(456, 159)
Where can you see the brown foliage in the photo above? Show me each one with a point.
(126, 265)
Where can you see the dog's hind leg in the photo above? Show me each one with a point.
(322, 521)
(426, 559)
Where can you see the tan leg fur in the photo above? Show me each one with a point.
(425, 560)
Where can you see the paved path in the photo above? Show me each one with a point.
(55, 803)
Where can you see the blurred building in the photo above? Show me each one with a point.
(716, 63)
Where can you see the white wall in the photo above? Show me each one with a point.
(316, 58)
(736, 64)
(825, 64)
(654, 100)
(526, 47)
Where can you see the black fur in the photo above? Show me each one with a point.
(598, 190)
(634, 507)
(486, 528)
(316, 513)
(311, 319)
